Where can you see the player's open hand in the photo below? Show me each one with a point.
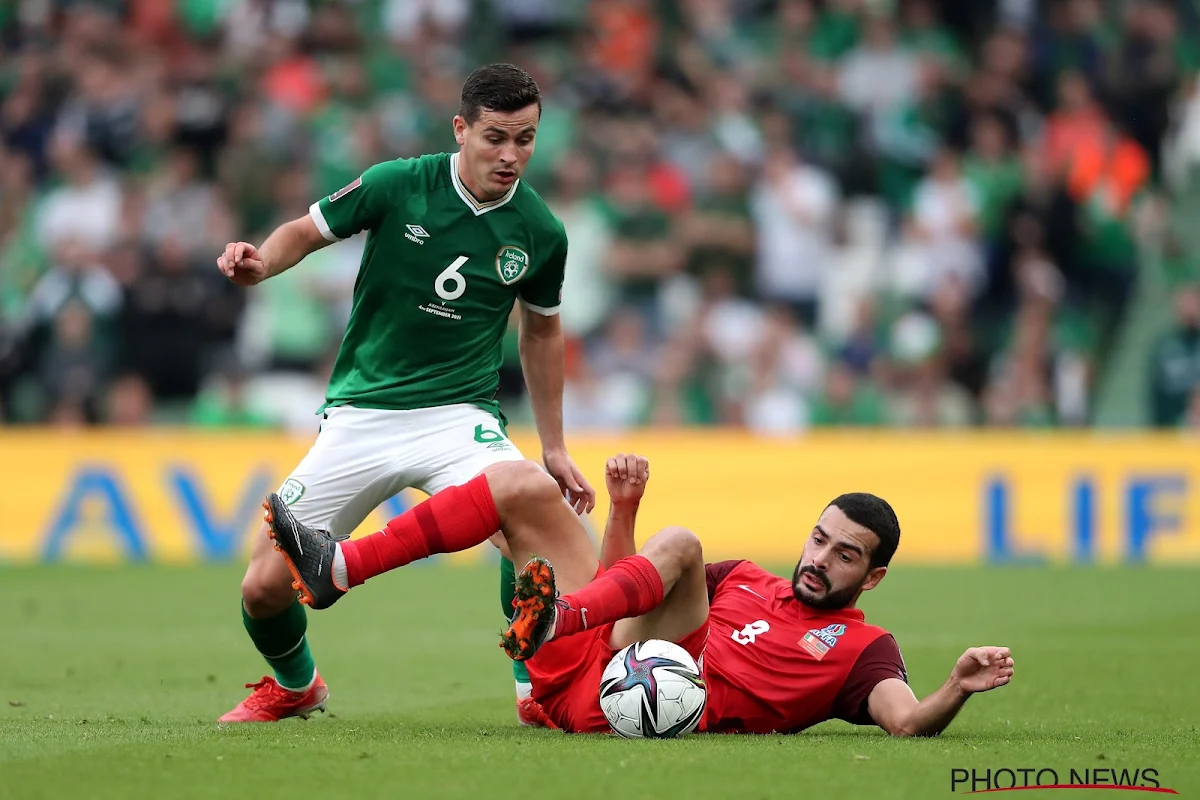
(983, 668)
(242, 263)
(575, 487)
(625, 477)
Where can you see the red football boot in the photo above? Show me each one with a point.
(270, 702)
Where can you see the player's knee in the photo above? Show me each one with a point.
(262, 596)
(518, 484)
(683, 545)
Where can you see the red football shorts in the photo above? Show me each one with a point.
(566, 675)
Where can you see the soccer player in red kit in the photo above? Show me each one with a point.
(781, 655)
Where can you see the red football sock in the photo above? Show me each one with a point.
(630, 588)
(453, 519)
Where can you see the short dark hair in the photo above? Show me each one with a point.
(874, 514)
(498, 87)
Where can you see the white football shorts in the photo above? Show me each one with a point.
(363, 456)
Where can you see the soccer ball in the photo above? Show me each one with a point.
(652, 690)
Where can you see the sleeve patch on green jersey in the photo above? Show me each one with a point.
(345, 190)
(511, 264)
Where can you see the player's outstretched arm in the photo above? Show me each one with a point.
(894, 707)
(625, 477)
(246, 265)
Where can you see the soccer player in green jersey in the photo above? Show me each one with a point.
(454, 240)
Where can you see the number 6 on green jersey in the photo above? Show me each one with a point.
(450, 275)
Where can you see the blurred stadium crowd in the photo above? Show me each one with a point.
(783, 214)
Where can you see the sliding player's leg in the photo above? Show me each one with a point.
(517, 497)
(657, 594)
(671, 565)
(682, 616)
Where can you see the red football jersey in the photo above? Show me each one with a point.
(775, 665)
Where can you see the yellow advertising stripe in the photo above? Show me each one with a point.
(182, 496)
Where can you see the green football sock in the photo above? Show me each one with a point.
(508, 590)
(282, 642)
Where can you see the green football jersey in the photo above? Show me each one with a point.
(437, 282)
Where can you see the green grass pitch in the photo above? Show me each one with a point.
(111, 679)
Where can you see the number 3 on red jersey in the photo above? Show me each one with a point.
(747, 634)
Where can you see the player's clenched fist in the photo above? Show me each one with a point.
(626, 477)
(983, 668)
(242, 263)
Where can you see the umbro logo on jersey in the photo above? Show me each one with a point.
(416, 234)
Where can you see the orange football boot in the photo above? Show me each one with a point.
(536, 601)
